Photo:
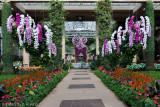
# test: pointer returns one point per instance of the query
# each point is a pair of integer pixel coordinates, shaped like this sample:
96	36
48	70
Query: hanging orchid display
138	33
51	46
79	43
31	36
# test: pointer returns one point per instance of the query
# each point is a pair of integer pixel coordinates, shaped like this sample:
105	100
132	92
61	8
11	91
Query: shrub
95	63
67	65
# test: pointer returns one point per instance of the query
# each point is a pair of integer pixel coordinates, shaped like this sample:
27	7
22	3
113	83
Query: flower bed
135	89
30	89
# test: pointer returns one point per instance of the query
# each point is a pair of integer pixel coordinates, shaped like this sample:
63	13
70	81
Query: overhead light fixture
80	18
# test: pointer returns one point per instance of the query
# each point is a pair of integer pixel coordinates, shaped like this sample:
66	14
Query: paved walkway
81	88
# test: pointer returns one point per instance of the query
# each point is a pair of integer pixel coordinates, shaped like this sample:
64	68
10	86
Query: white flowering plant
36	39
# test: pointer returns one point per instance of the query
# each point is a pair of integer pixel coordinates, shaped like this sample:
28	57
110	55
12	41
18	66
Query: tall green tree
7	41
104	18
57	18
149	52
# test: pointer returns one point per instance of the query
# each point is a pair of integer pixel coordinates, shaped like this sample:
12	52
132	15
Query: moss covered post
104	17
149	52
57	18
7	41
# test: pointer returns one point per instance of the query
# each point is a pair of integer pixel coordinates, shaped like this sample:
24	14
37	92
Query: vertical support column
97	40
63	45
25	58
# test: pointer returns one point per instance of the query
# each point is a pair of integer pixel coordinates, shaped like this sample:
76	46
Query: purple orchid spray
105	50
17	19
137	32
131	38
131	22
149	33
117	45
40	32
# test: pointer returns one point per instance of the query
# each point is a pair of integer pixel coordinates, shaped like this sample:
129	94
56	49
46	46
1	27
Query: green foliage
67	65
149	52
95	63
104	17
57	18
128	52
7	41
1	68
123	92
111	60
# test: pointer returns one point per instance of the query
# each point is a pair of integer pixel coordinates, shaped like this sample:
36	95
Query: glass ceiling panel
80	25
83	4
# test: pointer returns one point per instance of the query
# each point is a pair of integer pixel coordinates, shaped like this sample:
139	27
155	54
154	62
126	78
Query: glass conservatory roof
115	6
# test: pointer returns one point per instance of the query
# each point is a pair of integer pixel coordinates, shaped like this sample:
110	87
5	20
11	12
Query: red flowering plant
20	87
143	84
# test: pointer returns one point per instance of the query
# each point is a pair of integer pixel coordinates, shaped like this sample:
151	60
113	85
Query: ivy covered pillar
149	52
57	18
104	18
7	42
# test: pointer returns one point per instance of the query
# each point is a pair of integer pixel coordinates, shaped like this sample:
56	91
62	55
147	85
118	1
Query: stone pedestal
135	60
25	58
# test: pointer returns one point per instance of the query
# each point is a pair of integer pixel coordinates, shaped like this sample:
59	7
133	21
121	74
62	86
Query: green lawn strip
124	93
3	77
155	74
